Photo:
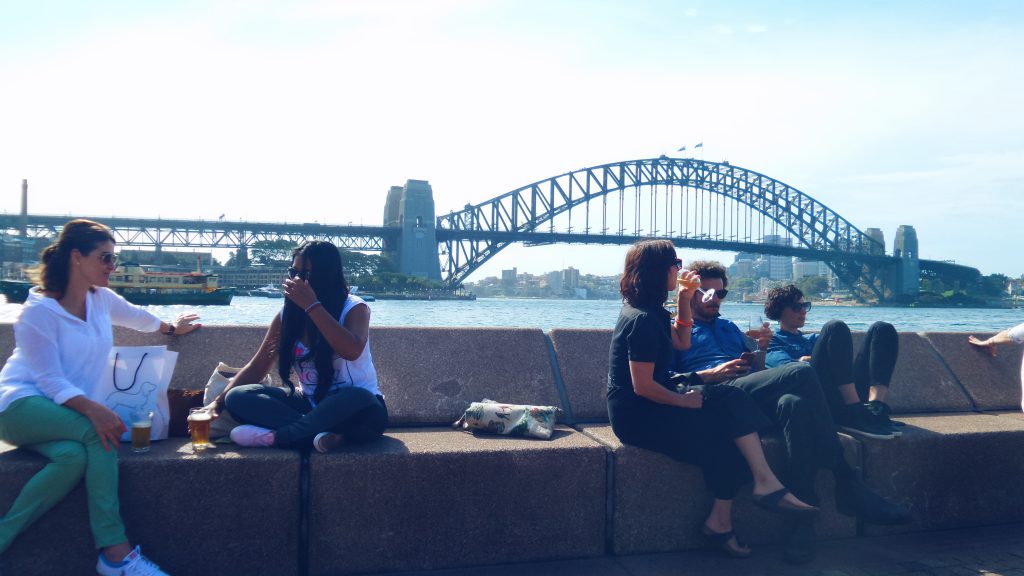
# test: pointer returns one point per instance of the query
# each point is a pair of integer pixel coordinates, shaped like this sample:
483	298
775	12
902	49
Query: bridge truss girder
200	234
821	231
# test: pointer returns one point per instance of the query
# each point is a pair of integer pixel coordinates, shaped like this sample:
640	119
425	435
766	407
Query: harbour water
548	314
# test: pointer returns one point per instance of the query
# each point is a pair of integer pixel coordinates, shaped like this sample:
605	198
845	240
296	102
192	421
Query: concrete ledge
659	504
583	361
951	470
436	498
218	512
992	383
430	375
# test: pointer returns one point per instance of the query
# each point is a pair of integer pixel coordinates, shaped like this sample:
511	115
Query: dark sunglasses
721	294
109	258
800	306
679	263
296	273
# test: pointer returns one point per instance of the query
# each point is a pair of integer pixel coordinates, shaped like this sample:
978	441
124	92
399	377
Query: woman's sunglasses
108	258
296	273
800	307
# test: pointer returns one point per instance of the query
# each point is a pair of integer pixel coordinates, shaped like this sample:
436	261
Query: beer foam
146	424
199	416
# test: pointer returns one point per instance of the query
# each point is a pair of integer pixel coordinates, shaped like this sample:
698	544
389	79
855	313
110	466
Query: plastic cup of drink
142	428
199	427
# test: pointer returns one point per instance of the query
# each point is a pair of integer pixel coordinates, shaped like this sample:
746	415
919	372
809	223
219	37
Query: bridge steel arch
473	235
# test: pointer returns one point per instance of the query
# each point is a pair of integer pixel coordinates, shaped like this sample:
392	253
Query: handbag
136	379
510	419
223	374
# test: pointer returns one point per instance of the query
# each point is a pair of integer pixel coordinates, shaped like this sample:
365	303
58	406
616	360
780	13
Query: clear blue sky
889	113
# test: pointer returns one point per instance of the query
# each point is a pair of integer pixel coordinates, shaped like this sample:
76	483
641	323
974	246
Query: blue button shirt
711	344
787	347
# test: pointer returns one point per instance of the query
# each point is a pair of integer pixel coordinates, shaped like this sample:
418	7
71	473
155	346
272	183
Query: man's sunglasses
800	306
296	273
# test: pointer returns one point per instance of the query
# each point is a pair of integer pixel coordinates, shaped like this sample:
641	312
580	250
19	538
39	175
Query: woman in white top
63	337
1015	335
323	335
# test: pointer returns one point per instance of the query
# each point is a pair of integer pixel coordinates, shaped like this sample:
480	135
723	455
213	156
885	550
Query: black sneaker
857	419
883	414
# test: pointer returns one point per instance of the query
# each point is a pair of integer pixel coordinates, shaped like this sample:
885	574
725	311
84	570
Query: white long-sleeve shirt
60	356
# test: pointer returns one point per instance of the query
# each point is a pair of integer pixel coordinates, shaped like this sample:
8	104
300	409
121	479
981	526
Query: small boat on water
144	287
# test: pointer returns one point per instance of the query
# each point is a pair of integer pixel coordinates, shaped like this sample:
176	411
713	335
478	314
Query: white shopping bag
136	379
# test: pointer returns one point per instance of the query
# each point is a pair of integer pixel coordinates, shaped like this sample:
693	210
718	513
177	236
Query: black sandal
774	502
724	542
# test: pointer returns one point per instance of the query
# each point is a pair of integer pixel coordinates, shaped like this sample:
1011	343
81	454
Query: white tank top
359	372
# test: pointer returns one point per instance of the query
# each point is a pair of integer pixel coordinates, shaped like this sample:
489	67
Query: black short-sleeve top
641	335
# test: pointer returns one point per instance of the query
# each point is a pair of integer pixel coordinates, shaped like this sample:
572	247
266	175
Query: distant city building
509	277
779	267
255	276
555	282
571	278
803	267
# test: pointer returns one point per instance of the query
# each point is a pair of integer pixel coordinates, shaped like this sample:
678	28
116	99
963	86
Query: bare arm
348	340
990	344
260	364
642	374
681	332
725	371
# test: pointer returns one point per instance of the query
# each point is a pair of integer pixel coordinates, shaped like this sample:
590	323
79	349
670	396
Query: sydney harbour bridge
694	203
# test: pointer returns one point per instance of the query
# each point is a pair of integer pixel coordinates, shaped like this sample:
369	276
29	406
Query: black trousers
354	412
792	398
703	437
833	359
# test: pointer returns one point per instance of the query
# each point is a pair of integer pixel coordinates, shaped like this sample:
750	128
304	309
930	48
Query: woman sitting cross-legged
855	387
322	334
719	434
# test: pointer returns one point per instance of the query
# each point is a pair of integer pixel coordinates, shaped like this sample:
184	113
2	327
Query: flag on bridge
683	149
701	145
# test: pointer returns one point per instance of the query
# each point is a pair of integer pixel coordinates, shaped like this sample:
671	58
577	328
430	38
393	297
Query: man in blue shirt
791	396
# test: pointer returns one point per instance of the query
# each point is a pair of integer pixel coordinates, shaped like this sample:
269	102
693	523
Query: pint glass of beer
142	426
199	426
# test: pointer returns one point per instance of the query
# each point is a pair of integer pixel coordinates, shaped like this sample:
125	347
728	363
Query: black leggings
704	437
356	413
833	359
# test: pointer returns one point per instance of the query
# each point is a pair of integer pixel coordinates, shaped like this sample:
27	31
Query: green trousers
69	441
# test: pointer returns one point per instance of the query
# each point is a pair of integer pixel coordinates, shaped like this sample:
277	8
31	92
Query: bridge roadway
181	233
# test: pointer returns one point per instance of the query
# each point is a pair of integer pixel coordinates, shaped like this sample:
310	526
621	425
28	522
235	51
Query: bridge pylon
411	209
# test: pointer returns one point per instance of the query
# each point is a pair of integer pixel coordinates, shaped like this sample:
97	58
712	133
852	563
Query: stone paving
991	550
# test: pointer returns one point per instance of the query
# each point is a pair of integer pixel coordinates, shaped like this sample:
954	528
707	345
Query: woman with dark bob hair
63	338
714	427
322	335
855	387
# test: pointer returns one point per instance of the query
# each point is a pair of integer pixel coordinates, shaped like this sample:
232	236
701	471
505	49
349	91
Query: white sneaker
134	564
252	436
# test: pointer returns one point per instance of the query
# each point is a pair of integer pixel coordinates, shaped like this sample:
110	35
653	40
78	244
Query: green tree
993	284
272	251
813	286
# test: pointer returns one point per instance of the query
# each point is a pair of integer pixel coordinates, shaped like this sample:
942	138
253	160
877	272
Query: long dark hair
54	271
644	282
327	278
